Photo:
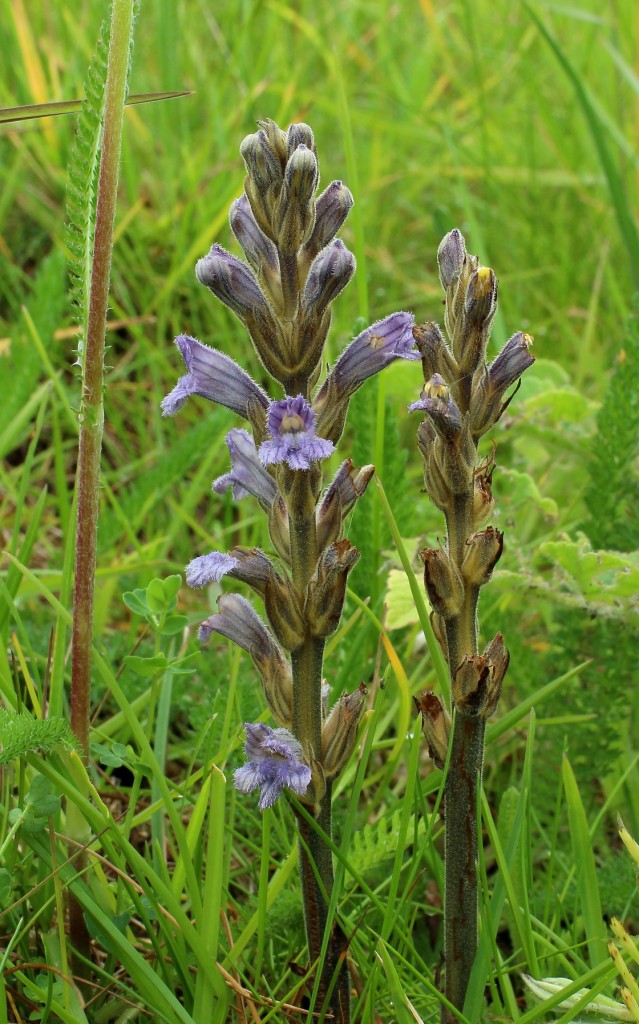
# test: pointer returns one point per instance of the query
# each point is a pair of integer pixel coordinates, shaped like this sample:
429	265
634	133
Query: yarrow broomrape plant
463	397
295	268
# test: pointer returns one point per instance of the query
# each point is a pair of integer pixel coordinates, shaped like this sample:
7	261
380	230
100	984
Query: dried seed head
444	585
483	551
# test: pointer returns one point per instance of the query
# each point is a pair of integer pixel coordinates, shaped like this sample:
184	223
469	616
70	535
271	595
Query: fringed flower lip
215	376
274	764
291	424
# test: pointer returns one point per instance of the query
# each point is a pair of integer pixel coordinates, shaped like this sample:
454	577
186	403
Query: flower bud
436	356
346	488
265	159
294	216
327	587
299	135
330	272
487	404
339	732
450	257
479	310
435	724
231	281
444	585
259	250
331	210
483	551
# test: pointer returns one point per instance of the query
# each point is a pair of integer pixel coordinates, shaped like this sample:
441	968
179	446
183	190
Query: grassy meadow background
516	123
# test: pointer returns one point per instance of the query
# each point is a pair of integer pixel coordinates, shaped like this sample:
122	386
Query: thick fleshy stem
307	664
462	782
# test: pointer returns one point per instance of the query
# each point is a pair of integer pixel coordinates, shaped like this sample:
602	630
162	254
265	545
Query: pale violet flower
291	424
274	764
214	376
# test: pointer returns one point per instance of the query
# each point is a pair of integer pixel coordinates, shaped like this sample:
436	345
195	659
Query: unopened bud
231	281
483	551
436	356
339	733
259	250
263	159
347	487
331	210
450	256
277	140
294	217
435	724
330	272
299	135
488	403
327	587
471	340
444	585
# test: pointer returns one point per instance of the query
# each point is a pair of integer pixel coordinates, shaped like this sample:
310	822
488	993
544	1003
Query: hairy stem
316	864
92	407
464	776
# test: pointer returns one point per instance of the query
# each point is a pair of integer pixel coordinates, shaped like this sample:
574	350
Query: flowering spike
291	424
275	763
215	376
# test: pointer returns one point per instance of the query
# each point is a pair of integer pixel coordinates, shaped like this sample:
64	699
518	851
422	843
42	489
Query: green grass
516	123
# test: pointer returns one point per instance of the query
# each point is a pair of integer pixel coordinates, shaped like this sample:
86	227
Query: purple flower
436	401
247	475
209	568
291	424
214	376
238	621
249	565
372	350
274	764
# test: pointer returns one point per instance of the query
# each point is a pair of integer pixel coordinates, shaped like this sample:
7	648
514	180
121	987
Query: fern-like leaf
612	496
377	842
82	185
21	734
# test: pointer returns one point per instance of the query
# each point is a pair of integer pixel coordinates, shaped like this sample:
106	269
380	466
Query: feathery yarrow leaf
21	734
82	184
